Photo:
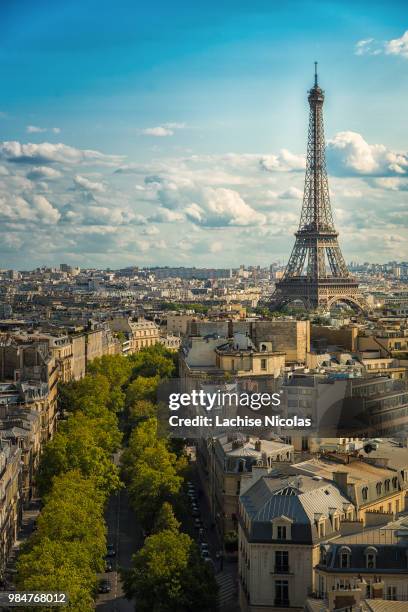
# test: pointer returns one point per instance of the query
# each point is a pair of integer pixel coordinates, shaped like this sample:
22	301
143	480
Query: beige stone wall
94	347
289	337
261	574
78	357
345	337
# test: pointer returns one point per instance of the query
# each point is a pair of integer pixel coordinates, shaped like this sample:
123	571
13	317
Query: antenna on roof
315	74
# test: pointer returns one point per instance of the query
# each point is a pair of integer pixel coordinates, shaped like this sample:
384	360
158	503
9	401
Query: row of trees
76	475
167	573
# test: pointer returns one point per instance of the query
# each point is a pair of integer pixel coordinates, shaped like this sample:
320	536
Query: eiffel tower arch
316	273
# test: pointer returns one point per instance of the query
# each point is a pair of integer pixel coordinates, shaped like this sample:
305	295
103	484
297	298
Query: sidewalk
26	529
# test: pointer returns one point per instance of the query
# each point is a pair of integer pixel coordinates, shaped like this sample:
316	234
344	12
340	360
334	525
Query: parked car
108	566
104	586
196	513
110	550
203	546
197	523
210	562
205	554
201	533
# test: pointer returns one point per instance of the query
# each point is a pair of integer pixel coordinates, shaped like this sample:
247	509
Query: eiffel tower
316	273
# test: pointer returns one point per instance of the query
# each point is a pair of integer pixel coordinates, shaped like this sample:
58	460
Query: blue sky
186	109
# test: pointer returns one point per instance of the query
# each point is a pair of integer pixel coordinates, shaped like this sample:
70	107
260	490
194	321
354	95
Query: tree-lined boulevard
111	462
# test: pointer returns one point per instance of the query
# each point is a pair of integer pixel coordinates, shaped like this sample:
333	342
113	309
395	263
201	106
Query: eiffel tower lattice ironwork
316	273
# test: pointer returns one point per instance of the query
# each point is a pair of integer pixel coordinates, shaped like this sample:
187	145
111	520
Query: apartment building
282	522
378	493
140	332
21	426
223	358
370	566
10	496
225	460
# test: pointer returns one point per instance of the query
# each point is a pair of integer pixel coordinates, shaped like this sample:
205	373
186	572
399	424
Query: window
263	364
378	487
387	485
281	593
344	557
321	529
364	493
370	555
336	523
395	482
281	532
281	561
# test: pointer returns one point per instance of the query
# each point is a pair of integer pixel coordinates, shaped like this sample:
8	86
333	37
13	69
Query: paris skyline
122	144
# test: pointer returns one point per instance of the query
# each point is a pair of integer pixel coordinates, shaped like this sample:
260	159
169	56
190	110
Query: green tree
154	481
153	361
141	410
166	519
78	445
55	566
73	511
142	388
116	368
168	576
93	390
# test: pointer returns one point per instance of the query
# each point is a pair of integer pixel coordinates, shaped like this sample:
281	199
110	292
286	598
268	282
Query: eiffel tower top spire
316	210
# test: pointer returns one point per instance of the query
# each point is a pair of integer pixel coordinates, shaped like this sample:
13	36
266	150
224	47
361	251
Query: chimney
341	480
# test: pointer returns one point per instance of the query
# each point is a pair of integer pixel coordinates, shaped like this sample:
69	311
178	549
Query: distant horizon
186	266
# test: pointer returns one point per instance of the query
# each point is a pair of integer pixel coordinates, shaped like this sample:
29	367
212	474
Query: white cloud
34	129
91	186
166	129
159	130
37	208
349	153
285	161
216	247
150	230
398	46
220	207
45	211
43	172
293	193
47	152
164	215
395	46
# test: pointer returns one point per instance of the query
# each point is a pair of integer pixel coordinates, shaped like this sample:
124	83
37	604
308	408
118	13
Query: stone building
282	522
141	332
370	565
225	460
10	495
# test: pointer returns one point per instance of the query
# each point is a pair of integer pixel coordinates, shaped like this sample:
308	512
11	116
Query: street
125	535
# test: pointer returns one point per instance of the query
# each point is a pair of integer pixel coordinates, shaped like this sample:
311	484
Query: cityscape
203	354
